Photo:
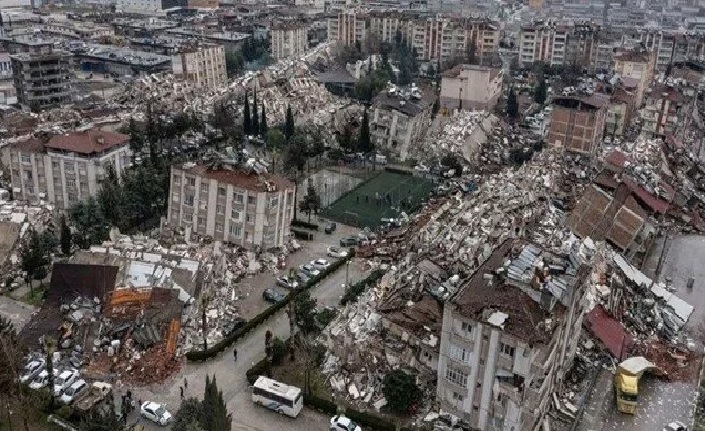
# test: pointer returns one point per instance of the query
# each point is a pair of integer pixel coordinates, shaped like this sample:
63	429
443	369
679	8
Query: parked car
337	252
303	277
330	227
73	391
64	380
233	326
155	412
271	295
310	270
675	426
41	380
320	264
348	242
342	423
31	370
421	168
287	282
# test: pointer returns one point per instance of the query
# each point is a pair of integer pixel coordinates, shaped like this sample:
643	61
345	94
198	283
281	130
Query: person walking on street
182	392
185	383
235	354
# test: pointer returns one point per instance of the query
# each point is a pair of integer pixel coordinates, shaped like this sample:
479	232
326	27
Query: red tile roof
609	331
656	204
617	158
88	142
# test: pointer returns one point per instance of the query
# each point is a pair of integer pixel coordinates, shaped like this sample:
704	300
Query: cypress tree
263	124
289	124
246	122
255	116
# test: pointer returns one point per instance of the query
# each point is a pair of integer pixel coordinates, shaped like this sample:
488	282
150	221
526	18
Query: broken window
456	376
506	349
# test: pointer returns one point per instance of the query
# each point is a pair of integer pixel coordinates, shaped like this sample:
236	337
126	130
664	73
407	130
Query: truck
98	392
626	382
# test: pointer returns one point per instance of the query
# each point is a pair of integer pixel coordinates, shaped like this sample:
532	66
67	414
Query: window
190	181
220	209
248	218
466	329
457	396
204	188
506	349
221	191
238	198
274	202
28	175
235	214
68	166
201	221
460	353
235	230
456	376
72	197
251	200
188	200
70	182
177	180
175	197
25	158
219	227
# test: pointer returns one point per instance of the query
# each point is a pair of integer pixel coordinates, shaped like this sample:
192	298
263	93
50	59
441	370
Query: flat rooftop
239	178
123	55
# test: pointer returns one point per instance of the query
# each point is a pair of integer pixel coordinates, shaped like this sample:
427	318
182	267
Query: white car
341	423
310	270
675	426
41	379
31	370
320	264
337	252
73	391
422	168
289	283
155	412
64	380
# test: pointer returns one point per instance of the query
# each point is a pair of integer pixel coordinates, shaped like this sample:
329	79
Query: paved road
231	375
18	312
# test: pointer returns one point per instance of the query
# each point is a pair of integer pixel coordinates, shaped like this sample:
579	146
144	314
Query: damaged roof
88	142
609	331
485	293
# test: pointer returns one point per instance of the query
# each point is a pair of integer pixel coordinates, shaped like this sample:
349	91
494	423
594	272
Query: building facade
398	120
288	39
509	337
67	168
230	204
202	64
545	43
577	124
42	75
637	65
148	7
471	87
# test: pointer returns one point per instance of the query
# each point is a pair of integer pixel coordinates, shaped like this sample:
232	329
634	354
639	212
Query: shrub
401	391
304	224
324	406
279	350
370	421
302	235
356	289
261	368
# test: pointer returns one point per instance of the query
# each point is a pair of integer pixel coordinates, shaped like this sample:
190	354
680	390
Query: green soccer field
383	196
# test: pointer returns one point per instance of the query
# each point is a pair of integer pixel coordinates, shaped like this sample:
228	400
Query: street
230	374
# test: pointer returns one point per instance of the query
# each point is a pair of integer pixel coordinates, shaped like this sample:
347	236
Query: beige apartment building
637	65
578	123
66	168
288	39
471	87
228	203
348	27
544	43
510	334
201	64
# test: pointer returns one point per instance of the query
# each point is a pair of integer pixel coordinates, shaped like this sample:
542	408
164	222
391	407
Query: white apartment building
5	65
202	64
147	7
230	204
544	43
509	336
348	27
397	121
288	39
67	168
471	87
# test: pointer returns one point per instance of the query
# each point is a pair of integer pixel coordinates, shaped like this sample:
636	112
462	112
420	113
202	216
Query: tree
289	127
278	351
65	237
311	202
190	411
255	116
246	120
222	120
263	128
33	257
110	197
512	105
101	420
49	348
296	151
450	161
275	138
136	137
401	391
364	142
90	222
436	107
346	141
471	50
234	63
540	92
305	311
215	413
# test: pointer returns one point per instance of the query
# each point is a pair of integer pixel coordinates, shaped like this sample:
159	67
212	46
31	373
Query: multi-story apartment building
578	123
434	38
510	334
5	66
471	87
288	39
67	167
75	29
202	4
637	65
148	7
398	120
202	64
545	43
41	74
231	204
671	46
664	112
